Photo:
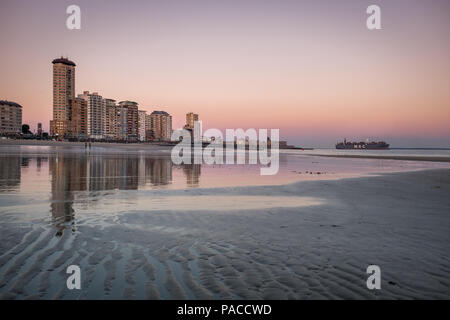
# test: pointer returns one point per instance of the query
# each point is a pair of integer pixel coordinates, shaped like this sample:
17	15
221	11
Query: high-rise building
63	91
161	125
132	119
190	119
95	114
111	120
39	129
122	122
148	127
78	124
10	117
194	126
141	125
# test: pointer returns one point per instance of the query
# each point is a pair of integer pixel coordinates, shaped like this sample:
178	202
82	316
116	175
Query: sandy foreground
316	244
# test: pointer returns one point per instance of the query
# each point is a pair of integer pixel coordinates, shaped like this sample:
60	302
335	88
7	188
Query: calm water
57	174
42	169
55	180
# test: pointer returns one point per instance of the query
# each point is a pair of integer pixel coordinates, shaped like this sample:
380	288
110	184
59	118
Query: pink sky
309	68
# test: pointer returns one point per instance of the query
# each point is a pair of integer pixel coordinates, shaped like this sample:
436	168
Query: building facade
132	119
10	117
148	128
111	120
190	120
39	129
95	114
141	124
161	125
122	122
63	91
194	126
78	124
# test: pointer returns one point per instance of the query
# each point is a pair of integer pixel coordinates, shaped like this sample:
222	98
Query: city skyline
227	153
92	116
311	69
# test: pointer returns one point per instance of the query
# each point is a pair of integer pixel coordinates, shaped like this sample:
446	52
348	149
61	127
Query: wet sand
164	149
132	146
314	250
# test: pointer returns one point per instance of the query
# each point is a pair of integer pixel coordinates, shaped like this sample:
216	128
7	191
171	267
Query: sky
309	68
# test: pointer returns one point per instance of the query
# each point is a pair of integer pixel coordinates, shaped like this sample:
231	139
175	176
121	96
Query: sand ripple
298	248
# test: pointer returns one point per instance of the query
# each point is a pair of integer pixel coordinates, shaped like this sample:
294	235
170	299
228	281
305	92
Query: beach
154	147
308	237
224	153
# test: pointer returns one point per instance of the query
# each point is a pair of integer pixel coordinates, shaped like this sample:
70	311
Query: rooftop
64	61
10	103
127	102
160	112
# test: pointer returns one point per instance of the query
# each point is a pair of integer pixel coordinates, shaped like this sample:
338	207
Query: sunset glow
311	69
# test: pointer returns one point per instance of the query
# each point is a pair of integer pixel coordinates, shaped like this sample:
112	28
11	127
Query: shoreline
160	147
48	143
387	157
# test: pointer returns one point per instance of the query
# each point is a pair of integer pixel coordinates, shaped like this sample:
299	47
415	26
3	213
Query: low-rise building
10	117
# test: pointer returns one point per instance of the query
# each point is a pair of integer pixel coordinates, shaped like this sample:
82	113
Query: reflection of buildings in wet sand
9	172
68	175
39	162
109	173
96	173
25	162
158	171
192	172
127	172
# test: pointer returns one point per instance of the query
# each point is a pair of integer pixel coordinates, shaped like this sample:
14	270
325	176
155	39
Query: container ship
373	145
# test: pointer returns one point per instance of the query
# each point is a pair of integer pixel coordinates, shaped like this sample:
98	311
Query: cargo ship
373	145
